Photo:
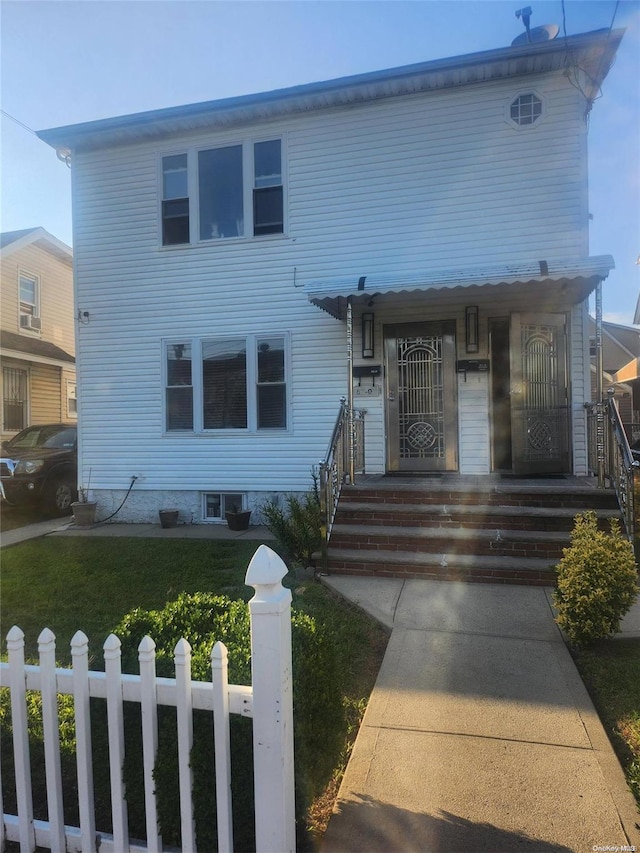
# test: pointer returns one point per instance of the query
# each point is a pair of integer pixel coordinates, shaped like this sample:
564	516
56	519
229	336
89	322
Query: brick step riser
579	502
408	519
522	578
474	547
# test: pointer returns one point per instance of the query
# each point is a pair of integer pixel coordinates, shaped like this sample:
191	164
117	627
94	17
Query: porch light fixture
367	334
471	327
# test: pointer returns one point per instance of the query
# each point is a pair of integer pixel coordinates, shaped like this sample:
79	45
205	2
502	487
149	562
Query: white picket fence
268	701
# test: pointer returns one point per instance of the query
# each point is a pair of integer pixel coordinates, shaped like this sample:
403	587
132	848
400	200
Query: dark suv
40	466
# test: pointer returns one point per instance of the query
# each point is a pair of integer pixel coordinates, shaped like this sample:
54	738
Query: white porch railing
268	701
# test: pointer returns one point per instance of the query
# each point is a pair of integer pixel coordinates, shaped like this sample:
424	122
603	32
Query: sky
69	61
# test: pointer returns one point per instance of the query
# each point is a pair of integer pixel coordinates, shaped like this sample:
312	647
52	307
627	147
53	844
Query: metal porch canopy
582	275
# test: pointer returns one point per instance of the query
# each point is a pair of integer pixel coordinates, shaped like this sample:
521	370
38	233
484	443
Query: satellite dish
546	32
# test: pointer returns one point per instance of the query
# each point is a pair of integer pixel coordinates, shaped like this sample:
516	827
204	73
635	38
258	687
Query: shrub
204	618
597	581
297	526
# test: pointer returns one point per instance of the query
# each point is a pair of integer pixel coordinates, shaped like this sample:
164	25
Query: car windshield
51	437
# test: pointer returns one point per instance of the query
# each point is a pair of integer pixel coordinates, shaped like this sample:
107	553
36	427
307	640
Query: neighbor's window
179	391
271	385
72	400
267	188
29	290
526	109
175	200
216	395
224	384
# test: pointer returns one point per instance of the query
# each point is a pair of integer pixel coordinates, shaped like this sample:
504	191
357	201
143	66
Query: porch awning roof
331	294
629	372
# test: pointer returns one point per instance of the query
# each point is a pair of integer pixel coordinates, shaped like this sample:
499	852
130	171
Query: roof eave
435	74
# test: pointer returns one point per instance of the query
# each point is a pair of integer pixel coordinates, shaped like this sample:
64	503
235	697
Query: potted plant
237	518
84	510
168	517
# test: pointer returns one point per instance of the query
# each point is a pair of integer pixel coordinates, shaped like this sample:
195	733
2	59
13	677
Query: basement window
216	504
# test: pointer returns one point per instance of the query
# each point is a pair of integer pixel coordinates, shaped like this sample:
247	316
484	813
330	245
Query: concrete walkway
479	735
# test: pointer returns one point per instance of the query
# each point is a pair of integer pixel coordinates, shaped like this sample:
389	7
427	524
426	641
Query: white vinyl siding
408	183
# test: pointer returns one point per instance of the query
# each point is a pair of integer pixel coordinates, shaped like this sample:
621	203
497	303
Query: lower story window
14	399
216	504
227	383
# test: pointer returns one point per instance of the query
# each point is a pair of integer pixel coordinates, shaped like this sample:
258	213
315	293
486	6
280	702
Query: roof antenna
525	14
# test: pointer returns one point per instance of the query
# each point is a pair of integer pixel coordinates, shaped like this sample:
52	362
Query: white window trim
251	339
514	97
248	178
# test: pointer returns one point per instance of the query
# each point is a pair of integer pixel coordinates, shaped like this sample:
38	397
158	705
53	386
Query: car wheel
61	495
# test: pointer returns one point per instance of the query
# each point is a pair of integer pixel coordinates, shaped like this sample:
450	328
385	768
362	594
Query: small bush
597	581
297	526
202	619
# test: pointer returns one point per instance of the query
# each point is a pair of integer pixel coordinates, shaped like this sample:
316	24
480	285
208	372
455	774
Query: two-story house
37	330
414	239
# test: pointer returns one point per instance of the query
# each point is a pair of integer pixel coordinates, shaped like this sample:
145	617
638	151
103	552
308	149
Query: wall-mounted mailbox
472	365
362	370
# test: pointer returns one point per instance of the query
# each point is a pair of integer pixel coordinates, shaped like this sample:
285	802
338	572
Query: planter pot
238	520
84	514
169	517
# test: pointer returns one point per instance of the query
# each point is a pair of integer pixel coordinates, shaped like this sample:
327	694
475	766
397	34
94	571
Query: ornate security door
539	394
420	385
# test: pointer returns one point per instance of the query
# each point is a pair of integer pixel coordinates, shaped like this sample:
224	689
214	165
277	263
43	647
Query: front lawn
68	584
611	673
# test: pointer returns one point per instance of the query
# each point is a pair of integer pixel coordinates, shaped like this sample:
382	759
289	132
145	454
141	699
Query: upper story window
525	109
236	190
29	294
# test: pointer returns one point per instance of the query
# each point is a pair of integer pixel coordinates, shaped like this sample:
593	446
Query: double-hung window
175	200
29	287
234	190
235	383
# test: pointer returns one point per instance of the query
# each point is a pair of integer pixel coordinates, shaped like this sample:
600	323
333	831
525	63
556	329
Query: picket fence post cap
79	643
265	569
46	638
15	638
146	648
219	653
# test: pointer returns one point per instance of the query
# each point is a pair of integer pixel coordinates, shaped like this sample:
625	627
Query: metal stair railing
610	457
346	452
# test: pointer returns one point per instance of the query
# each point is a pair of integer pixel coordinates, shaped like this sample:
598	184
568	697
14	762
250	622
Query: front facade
37	328
419	234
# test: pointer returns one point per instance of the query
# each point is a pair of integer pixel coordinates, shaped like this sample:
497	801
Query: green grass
70	584
611	672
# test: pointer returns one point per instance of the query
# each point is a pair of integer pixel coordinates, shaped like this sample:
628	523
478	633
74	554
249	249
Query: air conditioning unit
28	321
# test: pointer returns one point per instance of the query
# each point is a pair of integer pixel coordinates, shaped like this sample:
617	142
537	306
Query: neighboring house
37	343
431	220
620	345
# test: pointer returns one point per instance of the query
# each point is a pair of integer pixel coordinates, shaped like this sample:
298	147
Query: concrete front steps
456	528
